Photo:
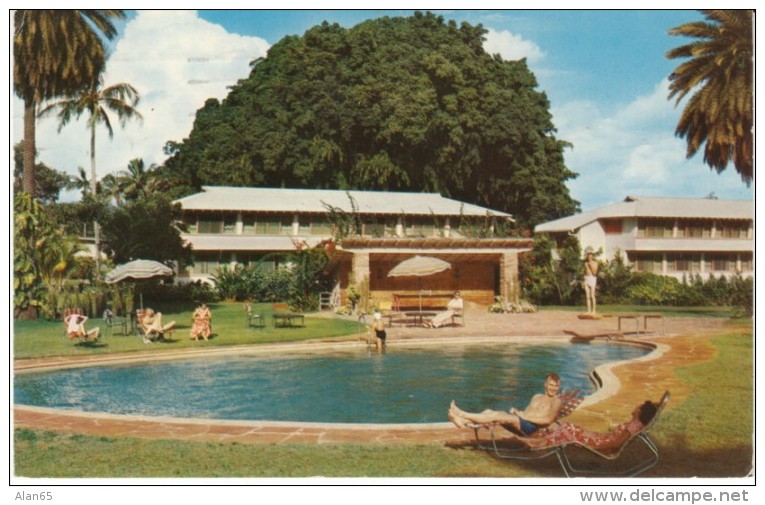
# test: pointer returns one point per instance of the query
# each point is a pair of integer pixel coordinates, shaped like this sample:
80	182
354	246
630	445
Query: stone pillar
399	227
239	228
447	228
508	277
295	225
360	276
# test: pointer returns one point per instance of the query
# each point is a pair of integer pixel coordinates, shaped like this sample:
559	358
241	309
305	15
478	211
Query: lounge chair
570	400
75	329
559	449
151	332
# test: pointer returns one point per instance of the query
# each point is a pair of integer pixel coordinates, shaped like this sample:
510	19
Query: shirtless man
590	281
542	410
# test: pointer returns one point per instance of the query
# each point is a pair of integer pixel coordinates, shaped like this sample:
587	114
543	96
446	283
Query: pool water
400	386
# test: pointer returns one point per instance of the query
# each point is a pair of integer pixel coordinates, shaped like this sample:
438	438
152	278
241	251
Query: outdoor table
419	315
288	320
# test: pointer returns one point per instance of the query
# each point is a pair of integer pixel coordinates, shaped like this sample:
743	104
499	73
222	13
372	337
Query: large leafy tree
718	71
55	52
96	101
146	228
411	104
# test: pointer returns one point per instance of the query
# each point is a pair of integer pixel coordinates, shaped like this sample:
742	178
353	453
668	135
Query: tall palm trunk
93	187
28	179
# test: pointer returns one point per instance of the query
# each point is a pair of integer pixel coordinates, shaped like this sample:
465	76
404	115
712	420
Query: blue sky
604	73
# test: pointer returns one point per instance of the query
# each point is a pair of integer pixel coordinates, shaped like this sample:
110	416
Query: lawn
695	439
33	339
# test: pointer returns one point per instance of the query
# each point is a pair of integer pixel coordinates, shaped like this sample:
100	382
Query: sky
604	73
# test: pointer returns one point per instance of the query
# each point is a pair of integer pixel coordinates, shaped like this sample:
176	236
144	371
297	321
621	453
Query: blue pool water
401	386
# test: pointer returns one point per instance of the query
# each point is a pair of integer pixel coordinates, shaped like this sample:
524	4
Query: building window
655	228
422	227
210	223
263	224
684	262
206	263
612	226
719	262
746	262
320	226
732	229
694	229
379	227
647	262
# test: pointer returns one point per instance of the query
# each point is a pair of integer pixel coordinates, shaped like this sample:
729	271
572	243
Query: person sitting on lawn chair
455	305
75	327
543	409
573	433
151	323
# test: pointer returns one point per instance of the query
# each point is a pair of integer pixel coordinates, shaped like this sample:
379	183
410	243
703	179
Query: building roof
225	198
655	207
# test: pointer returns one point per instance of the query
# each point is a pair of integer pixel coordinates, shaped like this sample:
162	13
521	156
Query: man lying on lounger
542	411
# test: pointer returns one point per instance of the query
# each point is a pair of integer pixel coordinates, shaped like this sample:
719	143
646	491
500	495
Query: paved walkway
686	342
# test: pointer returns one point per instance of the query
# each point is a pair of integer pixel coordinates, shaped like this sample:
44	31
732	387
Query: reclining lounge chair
548	445
570	400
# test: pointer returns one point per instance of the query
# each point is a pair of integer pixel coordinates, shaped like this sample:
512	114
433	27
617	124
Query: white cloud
633	151
511	46
176	61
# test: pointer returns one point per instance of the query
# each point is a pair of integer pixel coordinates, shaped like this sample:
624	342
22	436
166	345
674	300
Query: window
208	262
720	262
746	262
648	262
422	227
694	229
210	223
612	226
655	228
320	226
683	262
267	224
732	229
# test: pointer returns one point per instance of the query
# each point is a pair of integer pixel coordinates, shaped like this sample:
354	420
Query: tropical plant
97	101
55	53
719	73
43	255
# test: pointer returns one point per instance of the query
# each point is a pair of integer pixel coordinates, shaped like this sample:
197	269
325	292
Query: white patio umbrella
138	270
419	266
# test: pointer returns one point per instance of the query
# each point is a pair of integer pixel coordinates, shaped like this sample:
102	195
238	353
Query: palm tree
97	100
55	52
719	73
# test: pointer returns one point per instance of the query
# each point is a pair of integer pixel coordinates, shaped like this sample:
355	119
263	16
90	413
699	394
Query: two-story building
230	225
667	236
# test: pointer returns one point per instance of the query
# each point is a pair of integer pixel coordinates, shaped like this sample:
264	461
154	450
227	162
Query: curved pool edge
105	424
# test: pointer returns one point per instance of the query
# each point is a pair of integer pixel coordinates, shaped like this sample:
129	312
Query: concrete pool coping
624	385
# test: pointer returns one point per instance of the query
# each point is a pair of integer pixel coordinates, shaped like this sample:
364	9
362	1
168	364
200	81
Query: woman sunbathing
617	437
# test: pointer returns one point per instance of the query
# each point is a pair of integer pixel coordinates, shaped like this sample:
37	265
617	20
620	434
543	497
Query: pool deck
625	384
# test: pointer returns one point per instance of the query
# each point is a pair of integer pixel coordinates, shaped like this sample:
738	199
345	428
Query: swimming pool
352	386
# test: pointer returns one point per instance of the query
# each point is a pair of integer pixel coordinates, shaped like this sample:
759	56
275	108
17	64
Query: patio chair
254	319
570	400
153	331
606	456
111	321
75	329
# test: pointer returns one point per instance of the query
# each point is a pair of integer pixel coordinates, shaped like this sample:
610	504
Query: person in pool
378	326
542	410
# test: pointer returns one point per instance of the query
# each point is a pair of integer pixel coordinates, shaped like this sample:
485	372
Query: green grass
708	435
33	339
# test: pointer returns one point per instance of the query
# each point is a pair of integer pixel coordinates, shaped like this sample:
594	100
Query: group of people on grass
149	322
537	425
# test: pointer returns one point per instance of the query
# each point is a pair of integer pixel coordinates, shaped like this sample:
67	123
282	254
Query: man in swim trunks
542	410
590	280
